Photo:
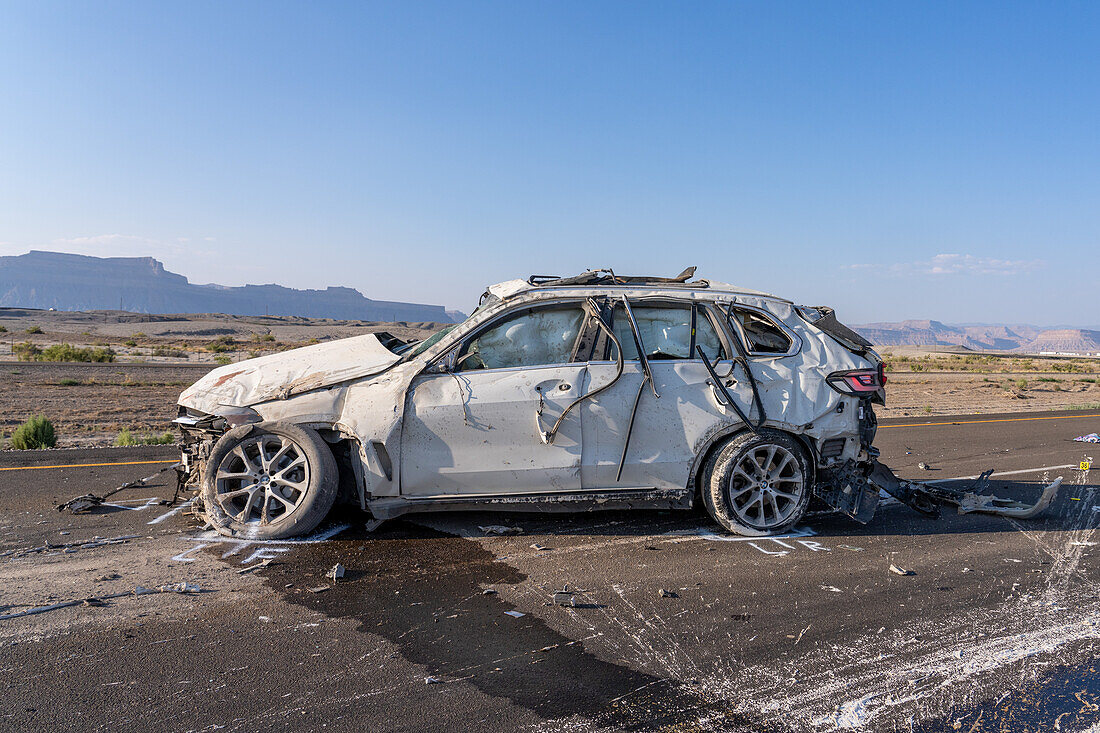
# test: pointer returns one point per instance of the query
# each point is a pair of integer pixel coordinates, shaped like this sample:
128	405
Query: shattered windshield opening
416	348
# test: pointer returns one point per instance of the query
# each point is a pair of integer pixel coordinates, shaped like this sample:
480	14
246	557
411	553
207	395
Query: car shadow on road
892	519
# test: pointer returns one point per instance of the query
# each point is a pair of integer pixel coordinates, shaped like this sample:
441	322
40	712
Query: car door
475	423
665	421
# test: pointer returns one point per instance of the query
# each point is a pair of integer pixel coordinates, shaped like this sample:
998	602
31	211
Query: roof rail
608	277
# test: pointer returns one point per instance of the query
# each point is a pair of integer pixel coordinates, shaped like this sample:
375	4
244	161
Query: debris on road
488	592
540	548
1090	438
81	504
665	593
336	573
564	597
257	566
900	571
182	588
515	614
320	589
432	681
924	466
500	529
71	546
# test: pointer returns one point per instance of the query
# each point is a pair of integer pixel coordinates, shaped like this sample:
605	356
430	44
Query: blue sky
920	160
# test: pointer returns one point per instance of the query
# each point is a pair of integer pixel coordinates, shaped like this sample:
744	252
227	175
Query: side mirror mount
445	365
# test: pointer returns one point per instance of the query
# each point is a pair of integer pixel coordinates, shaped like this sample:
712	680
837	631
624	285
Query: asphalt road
998	627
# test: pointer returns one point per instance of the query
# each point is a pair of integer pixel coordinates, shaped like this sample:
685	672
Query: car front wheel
757	485
269	481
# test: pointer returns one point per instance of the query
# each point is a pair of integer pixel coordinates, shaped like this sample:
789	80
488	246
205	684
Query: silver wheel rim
262	480
766	487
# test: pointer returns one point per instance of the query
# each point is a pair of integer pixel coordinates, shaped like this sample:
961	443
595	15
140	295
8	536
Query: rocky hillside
141	284
988	337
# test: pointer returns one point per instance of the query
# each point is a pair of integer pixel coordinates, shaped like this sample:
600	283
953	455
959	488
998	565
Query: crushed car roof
607	278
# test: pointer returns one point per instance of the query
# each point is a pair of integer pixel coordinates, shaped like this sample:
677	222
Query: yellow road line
975	422
82	465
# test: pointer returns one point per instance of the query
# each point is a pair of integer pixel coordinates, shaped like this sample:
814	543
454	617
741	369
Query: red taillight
857	381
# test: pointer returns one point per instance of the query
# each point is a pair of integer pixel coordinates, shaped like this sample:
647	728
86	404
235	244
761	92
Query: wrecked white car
557	394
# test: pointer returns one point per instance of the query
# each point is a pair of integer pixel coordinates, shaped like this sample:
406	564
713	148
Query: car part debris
257	566
88	501
515	614
924	466
900	571
926	498
432	681
320	589
500	529
183	588
70	546
564	597
664	593
1090	438
336	573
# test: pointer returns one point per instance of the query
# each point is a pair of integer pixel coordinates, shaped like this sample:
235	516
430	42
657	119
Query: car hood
278	376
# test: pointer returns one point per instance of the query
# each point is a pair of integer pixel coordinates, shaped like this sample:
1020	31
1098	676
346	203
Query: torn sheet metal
286	373
926	498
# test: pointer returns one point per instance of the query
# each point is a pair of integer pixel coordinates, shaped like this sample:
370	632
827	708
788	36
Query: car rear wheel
269	481
757	485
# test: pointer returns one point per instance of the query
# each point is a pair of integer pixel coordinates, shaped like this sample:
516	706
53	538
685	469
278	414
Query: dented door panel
479	432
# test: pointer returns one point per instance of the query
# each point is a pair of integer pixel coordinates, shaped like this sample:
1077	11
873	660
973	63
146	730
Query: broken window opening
762	336
666	332
532	337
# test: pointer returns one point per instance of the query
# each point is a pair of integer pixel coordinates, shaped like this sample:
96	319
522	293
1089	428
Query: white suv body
556	394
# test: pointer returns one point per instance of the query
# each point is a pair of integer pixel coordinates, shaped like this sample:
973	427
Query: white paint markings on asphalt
174	511
998	474
262	549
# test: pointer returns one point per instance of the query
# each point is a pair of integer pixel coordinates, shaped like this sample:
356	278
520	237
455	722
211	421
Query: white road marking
174	511
998	474
141	503
183	556
212	536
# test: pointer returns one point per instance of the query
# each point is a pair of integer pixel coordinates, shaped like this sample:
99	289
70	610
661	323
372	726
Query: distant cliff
141	284
990	337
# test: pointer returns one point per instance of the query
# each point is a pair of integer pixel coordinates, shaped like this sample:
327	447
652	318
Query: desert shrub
130	342
126	438
222	360
3	329
262	337
34	329
68	383
26	351
1021	384
1046	379
34	434
166	351
221	344
139	334
68	352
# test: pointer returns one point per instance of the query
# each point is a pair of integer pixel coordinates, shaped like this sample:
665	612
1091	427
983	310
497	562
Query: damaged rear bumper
853	488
